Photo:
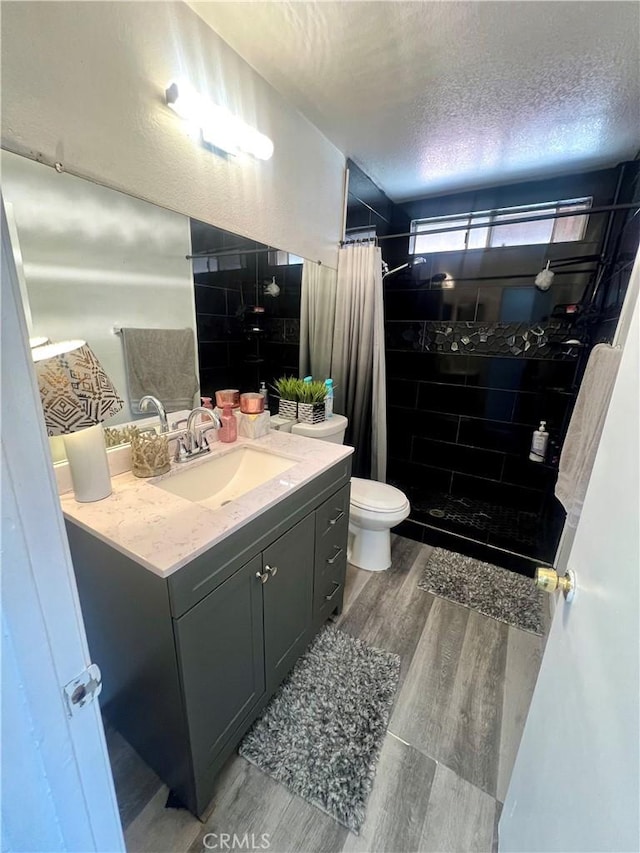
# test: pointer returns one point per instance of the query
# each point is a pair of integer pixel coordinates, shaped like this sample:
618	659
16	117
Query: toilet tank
333	429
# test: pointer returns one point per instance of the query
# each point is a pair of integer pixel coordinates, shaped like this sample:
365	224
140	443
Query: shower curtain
317	317
347	327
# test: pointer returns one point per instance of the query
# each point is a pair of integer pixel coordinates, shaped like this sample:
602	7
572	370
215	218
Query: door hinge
83	689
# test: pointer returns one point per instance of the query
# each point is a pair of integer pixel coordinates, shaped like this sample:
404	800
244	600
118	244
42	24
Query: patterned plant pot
311	413
288	409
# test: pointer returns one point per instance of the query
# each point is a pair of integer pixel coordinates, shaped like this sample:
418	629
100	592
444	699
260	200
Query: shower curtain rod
221	253
514	221
489	278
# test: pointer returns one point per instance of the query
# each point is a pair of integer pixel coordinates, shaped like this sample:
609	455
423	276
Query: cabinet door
221	657
288	599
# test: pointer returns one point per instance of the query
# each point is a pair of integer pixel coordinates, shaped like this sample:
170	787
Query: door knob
550	581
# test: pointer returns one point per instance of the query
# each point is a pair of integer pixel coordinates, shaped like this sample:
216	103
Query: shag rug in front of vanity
491	590
322	732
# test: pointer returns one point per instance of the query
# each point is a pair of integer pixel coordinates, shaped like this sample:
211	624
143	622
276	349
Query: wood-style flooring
465	687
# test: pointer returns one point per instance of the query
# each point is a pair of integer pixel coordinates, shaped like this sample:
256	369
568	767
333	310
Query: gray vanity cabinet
190	660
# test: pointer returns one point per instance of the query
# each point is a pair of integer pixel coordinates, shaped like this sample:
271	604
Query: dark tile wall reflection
245	335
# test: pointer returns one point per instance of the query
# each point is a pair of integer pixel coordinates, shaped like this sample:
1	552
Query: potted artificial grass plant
311	397
287	389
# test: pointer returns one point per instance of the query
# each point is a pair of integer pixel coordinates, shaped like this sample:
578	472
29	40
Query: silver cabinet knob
263	577
272	570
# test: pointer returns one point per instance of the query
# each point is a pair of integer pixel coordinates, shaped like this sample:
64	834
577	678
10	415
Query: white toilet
375	507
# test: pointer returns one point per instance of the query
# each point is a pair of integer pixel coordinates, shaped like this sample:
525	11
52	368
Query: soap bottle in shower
539	443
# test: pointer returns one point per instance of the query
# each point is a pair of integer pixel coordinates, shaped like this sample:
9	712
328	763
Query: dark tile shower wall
239	347
474	366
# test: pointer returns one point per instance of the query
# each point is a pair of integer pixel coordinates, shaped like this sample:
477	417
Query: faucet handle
179	424
203	444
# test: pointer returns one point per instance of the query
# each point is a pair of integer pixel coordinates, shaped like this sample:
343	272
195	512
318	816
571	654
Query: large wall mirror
93	261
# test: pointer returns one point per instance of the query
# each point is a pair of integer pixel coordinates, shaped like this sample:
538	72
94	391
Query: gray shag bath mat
491	590
322	732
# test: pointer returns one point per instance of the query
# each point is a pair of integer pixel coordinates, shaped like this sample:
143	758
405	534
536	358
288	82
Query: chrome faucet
191	422
196	443
162	414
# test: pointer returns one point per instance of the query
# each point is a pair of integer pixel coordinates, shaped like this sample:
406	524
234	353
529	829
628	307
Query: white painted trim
19	262
43	631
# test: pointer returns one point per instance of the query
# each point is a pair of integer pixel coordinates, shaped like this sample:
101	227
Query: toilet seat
376	497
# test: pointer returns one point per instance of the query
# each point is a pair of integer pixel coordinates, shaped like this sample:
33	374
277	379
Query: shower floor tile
490	524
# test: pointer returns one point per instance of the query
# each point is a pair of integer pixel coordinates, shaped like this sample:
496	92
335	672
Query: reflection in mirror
95	261
247	308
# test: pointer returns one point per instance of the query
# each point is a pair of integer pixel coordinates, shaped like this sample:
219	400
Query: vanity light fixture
217	126
77	395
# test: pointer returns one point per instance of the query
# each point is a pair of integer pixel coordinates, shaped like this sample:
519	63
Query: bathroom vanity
197	608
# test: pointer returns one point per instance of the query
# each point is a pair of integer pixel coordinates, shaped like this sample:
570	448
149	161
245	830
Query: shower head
413	263
395	269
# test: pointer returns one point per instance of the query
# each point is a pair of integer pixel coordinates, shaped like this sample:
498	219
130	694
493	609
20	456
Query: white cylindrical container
88	464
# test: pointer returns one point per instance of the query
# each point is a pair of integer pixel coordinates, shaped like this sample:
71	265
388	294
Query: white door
57	787
575	784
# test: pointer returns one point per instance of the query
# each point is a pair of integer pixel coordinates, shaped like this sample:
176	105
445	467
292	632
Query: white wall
94	258
83	84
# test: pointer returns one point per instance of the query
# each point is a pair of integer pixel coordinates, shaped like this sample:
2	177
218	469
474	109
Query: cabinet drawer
332	526
329	591
332	517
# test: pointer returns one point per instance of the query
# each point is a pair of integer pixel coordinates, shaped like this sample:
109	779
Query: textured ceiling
433	97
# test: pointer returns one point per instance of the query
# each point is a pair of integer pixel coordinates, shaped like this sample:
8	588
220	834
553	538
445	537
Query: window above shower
488	232
278	258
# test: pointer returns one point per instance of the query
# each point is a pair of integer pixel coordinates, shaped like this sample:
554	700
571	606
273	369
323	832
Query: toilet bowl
375	507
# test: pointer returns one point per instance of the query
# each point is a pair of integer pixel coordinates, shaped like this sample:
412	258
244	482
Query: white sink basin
225	478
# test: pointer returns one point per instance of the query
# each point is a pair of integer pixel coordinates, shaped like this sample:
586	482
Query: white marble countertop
164	532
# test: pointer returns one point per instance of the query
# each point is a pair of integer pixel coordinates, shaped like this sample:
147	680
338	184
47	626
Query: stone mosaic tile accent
456	337
511	339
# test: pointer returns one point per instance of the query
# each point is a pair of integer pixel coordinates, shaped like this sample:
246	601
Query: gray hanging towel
585	428
160	362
